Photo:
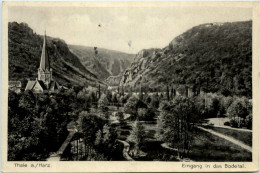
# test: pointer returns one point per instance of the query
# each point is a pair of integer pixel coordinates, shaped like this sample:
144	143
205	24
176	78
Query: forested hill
103	63
215	57
24	53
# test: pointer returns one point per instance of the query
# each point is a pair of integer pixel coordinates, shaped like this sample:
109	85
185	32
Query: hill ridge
214	57
24	50
105	62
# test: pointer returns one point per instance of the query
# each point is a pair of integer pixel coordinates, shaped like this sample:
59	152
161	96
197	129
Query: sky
124	29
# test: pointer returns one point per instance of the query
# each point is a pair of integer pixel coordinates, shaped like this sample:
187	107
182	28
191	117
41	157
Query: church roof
44	64
42	84
30	85
54	85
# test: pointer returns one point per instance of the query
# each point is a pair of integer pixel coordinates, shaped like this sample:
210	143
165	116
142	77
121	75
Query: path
126	150
237	129
72	128
234	141
56	156
219	122
164	145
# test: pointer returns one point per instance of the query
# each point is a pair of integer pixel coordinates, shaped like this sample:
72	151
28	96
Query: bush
233	123
239	110
248	122
227	123
146	114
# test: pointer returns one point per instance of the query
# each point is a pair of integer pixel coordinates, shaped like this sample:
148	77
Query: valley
105	63
158	105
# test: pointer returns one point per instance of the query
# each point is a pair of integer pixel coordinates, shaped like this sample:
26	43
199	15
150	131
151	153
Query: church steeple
45	72
44	64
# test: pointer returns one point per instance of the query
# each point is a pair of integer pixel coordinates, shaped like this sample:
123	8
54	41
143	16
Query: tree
106	134
102	106
84	98
114	99
148	100
99	91
109	96
65	103
98	138
168	93
137	136
215	108
146	114
32	137
132	106
171	46
27	102
77	89
90	125
155	101
141	93
238	109
226	102
176	124
103	101
93	99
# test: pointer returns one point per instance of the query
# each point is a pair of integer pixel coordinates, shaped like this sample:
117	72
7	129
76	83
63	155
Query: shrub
248	122
227	123
233	123
239	110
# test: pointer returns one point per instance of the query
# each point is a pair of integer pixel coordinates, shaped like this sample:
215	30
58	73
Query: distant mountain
114	80
214	57
24	51
105	62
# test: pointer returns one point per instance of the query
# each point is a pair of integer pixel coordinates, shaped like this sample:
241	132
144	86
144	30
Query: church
44	82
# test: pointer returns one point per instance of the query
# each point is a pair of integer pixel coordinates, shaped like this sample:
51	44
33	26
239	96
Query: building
15	86
44	82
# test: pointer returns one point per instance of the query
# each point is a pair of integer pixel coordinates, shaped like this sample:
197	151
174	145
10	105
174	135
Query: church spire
44	64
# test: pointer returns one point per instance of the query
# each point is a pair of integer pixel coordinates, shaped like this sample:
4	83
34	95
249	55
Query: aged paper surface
127	37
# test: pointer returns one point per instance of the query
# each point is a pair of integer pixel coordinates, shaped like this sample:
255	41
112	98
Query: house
15	86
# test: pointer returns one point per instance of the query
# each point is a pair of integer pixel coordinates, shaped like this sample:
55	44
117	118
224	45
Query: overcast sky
144	27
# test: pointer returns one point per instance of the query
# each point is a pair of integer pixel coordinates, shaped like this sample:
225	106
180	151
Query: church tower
44	71
44	82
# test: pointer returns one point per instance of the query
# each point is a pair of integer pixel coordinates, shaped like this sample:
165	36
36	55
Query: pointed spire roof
44	64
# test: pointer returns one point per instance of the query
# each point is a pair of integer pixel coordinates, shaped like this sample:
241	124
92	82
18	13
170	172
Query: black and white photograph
166	84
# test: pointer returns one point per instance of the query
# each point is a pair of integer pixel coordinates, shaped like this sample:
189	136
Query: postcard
130	86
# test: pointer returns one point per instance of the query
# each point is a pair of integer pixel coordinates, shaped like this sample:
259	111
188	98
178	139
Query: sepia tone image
130	84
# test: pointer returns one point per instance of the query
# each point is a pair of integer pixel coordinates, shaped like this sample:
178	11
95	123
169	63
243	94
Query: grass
208	147
155	152
243	136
